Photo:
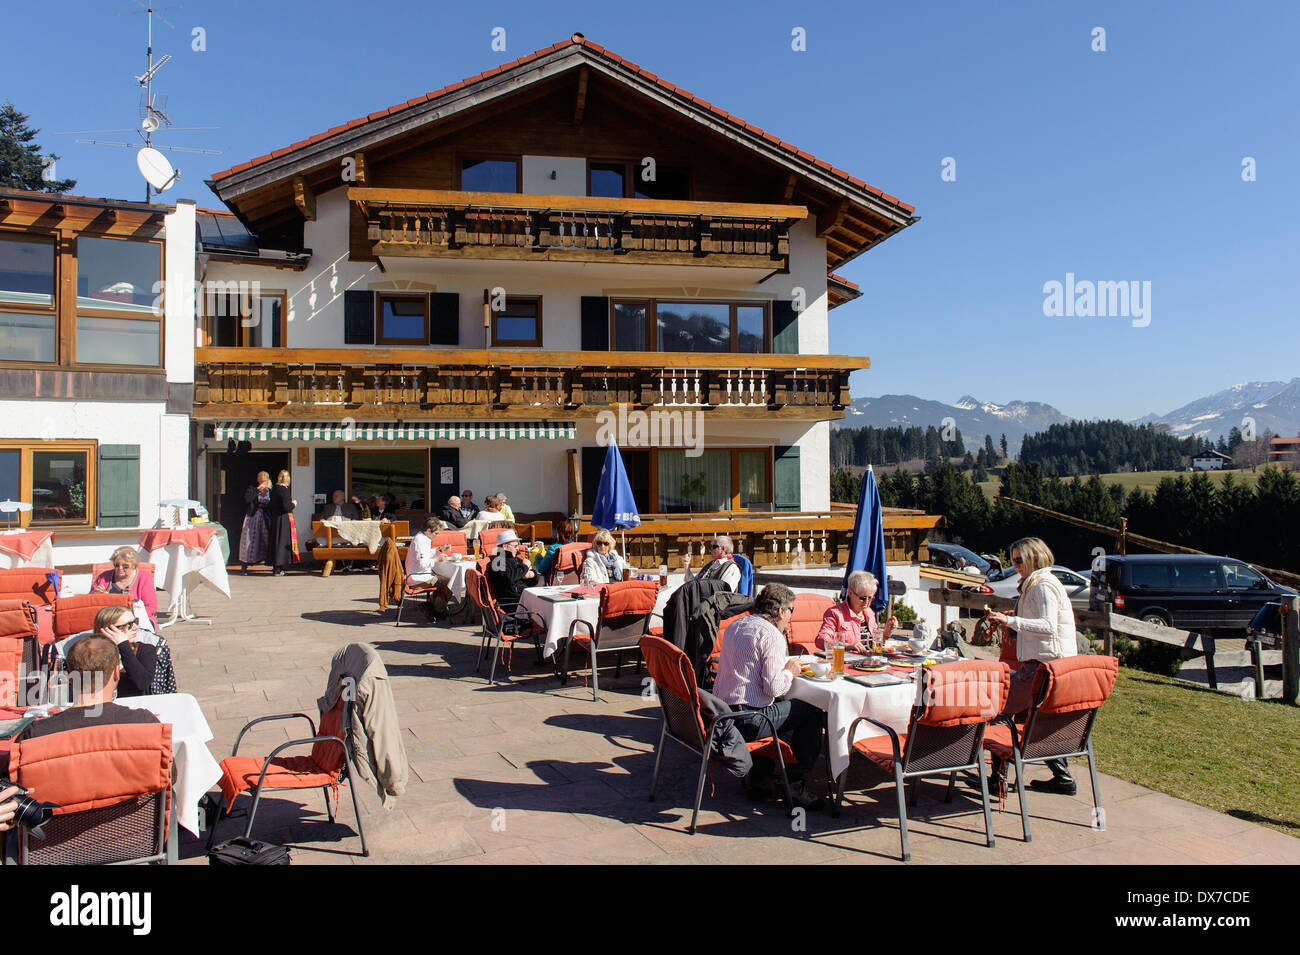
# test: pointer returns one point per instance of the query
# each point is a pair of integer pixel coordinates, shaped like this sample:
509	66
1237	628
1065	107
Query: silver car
1078	586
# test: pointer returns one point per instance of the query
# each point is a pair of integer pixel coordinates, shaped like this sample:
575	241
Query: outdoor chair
457	539
33	584
626	610
568	563
503	623
112	784
75	614
944	737
806	622
717	644
330	764
1067	695
487	541
20	655
683	720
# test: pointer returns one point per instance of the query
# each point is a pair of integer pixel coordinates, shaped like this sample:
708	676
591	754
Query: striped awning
393	430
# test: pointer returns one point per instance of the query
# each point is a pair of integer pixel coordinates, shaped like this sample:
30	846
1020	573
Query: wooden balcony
450	224
413	384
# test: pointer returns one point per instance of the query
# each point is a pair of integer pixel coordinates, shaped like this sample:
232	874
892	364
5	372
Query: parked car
1205	594
947	556
1076	585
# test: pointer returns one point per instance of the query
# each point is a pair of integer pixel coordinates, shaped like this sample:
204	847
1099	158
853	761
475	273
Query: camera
29	814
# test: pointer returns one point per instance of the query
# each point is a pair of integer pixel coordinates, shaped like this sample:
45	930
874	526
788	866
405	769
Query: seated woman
139	660
545	563
491	509
853	619
602	564
126	577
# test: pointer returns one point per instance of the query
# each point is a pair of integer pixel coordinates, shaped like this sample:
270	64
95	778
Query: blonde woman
602	565
1043	624
126	577
256	533
284	543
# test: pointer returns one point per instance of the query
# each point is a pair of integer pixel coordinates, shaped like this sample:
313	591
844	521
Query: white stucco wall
178	296
807	272
570	175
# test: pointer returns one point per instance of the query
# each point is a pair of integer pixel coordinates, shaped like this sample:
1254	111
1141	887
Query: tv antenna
154	166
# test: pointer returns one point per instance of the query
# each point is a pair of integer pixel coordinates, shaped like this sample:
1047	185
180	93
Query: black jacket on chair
452	516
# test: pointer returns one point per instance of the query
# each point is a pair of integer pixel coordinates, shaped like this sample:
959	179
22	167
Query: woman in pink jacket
127	577
846	620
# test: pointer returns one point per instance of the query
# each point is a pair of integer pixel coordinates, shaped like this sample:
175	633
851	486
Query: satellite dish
155	168
150	123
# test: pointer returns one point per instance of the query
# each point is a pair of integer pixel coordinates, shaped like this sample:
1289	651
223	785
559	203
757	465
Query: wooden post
1291	650
1207	645
1107	635
1123	535
1257	664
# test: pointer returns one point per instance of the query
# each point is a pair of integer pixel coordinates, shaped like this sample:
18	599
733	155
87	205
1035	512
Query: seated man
722	566
339	506
379	509
509	574
94	668
453	513
467	506
754	672
421	555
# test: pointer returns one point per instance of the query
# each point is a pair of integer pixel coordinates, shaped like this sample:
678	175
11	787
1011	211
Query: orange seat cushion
997	740
763	747
880	751
240	773
655	631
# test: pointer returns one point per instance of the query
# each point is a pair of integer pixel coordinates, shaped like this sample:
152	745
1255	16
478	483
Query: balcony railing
427	222
478	383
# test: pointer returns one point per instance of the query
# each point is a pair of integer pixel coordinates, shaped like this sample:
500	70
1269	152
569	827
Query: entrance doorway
232	475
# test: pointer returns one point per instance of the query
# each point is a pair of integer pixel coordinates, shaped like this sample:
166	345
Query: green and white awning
393	430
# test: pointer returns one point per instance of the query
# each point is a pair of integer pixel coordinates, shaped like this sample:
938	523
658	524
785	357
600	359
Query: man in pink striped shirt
754	671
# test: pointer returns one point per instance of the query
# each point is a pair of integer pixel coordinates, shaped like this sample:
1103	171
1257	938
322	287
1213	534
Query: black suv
1189	591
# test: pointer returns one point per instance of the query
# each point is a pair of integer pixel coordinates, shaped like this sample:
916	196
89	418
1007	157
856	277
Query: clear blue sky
1115	165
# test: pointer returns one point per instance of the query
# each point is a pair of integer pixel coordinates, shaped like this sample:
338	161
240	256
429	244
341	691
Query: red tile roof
842	280
576	40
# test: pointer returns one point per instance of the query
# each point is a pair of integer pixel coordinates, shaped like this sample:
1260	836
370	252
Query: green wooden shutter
119	485
595	323
787	493
358	318
444	318
785	328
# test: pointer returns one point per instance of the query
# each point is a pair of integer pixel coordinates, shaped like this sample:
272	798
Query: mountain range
1271	405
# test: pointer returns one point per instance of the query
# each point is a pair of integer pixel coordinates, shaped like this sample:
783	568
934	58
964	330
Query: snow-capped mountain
974	418
1271	405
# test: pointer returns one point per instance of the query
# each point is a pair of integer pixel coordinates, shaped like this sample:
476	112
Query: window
692	326
1241	577
626	179
402	319
56	477
28	323
253	321
519	323
720	479
489	175
399	476
1196	577
118	302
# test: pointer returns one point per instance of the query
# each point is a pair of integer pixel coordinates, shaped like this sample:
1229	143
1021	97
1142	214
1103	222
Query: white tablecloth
844	702
43	556
196	769
367	534
452	573
177	569
560	614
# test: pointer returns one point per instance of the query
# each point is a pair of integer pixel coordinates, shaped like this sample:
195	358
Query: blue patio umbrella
867	549
614	507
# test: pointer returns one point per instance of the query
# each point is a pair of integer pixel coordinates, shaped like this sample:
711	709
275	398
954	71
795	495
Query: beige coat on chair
376	737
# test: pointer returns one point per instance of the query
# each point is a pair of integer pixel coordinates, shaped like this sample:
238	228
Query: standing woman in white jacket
1044	628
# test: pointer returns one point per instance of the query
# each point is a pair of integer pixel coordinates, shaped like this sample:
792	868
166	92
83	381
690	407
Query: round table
183	559
559	611
844	701
26	548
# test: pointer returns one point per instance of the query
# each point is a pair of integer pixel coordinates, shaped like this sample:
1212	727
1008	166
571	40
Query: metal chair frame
902	760
346	774
594	648
499	620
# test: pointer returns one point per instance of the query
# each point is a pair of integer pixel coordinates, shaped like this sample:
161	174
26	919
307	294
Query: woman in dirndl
256	535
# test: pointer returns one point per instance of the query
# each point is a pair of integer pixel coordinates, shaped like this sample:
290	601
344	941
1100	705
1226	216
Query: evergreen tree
1004	446
21	162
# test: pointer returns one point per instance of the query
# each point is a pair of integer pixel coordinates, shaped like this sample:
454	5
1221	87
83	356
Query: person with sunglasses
852	620
721	566
139	660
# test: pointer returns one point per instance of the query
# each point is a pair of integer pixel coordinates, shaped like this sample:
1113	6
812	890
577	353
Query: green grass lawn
1239	757
1143	479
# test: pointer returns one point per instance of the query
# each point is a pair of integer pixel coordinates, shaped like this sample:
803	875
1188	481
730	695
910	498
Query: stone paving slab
530	772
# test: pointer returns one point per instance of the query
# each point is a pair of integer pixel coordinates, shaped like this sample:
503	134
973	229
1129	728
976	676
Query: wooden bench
335	548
